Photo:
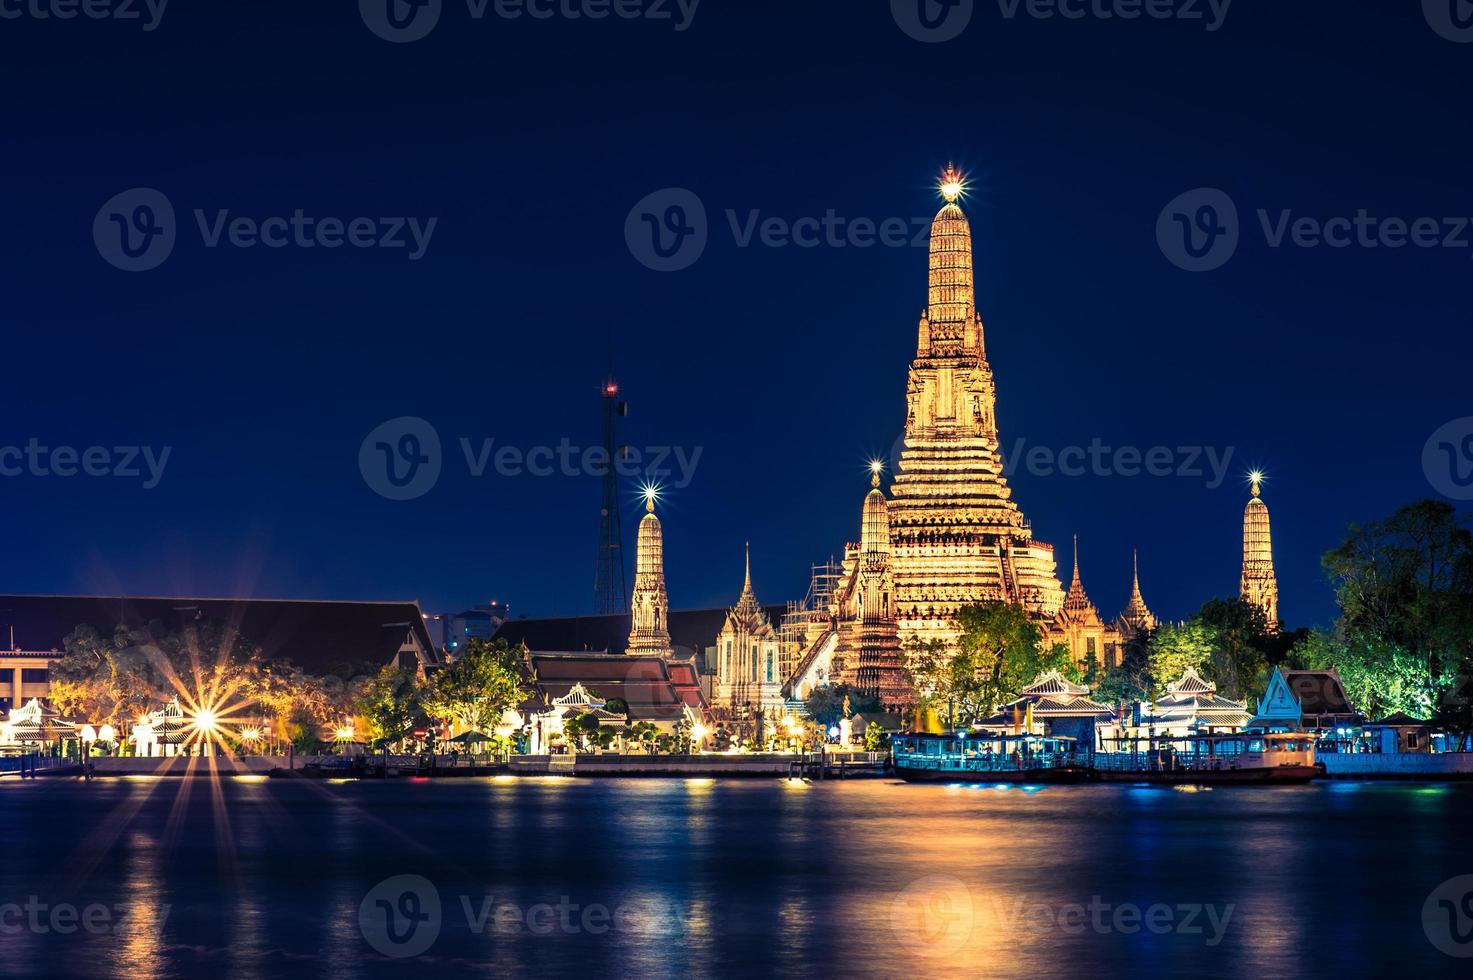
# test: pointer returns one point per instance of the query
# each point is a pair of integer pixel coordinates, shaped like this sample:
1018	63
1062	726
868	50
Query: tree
999	652
1176	649
477	687
389	705
876	739
1405	589
645	733
1240	646
826	704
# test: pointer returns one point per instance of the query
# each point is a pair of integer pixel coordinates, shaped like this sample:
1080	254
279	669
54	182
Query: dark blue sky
530	141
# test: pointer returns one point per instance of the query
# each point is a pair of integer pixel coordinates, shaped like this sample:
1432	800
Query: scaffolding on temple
810	616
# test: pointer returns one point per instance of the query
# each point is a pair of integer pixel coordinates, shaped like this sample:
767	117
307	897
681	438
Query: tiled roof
318	636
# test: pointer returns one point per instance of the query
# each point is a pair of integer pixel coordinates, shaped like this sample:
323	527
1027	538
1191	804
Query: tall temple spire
1076	600
874	634
1137	617
958	536
650	632
1259	584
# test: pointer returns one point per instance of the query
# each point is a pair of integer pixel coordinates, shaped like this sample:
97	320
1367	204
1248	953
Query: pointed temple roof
748	611
1054	683
1191	683
1077	600
1137	615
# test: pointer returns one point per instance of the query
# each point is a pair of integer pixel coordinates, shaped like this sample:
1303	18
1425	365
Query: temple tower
1079	626
651	603
1259	584
874	641
748	668
1137	617
957	535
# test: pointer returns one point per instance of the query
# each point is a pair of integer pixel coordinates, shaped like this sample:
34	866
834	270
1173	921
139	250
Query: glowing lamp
953	185
107	734
89	734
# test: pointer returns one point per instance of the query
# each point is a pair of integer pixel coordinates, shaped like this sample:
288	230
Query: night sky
530	141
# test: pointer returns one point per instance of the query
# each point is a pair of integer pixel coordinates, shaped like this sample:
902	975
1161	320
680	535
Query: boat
987	757
1240	758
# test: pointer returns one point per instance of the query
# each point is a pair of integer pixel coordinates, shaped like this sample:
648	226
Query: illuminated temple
953	535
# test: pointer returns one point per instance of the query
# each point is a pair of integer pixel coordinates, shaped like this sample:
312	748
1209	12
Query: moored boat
973	756
1251	758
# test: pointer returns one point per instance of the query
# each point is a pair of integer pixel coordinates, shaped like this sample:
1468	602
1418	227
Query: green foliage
1175	649
876	739
645	733
474	690
826	705
1405	633
1000	651
389	704
1240	634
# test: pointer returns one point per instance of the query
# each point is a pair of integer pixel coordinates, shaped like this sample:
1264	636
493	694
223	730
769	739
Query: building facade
748	657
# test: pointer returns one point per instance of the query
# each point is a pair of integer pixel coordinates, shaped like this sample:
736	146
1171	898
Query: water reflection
700	877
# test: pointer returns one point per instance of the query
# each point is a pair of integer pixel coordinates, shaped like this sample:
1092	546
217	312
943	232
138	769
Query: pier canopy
1191	704
35	724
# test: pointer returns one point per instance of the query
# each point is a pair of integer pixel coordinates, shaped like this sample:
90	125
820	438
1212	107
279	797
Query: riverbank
842	765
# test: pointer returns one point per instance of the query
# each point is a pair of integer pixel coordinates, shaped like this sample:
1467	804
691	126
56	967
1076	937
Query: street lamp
697	733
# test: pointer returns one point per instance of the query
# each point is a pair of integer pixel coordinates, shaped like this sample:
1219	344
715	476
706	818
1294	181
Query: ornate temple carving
650	634
957	536
1259	585
748	658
